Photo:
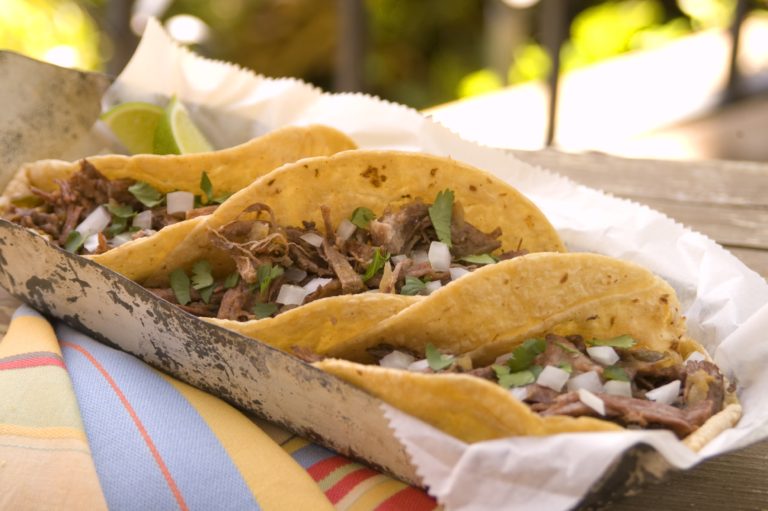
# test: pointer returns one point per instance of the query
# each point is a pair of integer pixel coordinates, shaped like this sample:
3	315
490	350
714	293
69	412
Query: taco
330	230
543	344
95	204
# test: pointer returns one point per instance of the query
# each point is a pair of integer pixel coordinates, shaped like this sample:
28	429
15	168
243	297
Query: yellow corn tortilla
228	169
352	179
500	305
489	312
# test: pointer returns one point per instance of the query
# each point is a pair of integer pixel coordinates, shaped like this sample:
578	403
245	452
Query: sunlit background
636	77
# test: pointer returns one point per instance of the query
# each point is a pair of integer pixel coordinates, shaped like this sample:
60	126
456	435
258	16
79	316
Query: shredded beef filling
702	389
57	213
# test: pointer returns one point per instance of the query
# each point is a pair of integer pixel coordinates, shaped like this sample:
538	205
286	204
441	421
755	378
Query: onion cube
590	381
618	388
315	284
179	202
91	243
312	238
604	355
397	360
457	272
666	394
592	401
143	220
439	256
553	377
345	230
432	286
96	221
520	393
291	295
420	366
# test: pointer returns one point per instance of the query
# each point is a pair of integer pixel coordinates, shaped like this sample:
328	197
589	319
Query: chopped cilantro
437	361
615	373
500	370
517	379
523	356
206	187
206	292
566	366
440	214
146	194
379	259
480	259
119	210
362	217
412	286
264	310
180	286
622	341
231	280
74	241
265	274
536	370
117	226
201	275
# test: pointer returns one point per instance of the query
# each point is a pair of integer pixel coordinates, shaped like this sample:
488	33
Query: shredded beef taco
98	203
542	344
337	244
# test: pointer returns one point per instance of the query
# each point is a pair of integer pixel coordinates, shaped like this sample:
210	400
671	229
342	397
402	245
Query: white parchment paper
726	303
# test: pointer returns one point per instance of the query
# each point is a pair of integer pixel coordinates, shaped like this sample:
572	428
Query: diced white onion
312	238
592	401
457	272
618	388
420	366
121	238
314	284
397	360
553	377
520	393
143	220
666	394
589	381
439	256
604	355
179	202
291	295
419	256
432	286
91	243
345	230
399	258
295	274
96	222
695	356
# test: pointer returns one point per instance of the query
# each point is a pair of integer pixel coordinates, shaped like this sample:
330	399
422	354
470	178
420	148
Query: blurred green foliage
419	53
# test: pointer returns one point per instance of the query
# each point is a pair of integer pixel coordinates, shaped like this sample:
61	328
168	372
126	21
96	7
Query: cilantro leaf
362	217
437	361
379	259
119	210
413	286
146	194
480	259
74	241
201	275
566	366
207	187
231	280
180	286
265	274
440	214
615	373
522	357
500	370
263	310
622	341
517	379
206	292
117	226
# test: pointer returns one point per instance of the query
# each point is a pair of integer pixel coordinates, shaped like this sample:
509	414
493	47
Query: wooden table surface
727	201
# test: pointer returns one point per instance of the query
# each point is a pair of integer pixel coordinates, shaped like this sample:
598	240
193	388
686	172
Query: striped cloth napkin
84	426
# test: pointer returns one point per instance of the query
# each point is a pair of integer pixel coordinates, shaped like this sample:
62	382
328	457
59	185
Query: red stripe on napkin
347	484
410	499
320	470
38	361
144	434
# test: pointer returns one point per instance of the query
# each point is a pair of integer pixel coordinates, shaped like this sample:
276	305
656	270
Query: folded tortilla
492	311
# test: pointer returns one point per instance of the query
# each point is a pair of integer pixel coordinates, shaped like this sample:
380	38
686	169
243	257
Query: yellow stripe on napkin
28	334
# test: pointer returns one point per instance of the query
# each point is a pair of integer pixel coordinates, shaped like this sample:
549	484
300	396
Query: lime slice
134	124
177	134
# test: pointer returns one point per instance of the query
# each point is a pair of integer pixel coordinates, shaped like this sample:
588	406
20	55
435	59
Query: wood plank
722	182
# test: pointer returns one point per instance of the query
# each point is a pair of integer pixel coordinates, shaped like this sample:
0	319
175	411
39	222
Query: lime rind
176	133
134	124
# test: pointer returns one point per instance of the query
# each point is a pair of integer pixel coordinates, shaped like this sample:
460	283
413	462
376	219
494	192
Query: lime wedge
134	124
177	134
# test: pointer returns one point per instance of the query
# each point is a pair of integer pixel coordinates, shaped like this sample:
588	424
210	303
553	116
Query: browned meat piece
205	210
560	350
333	288
351	282
703	383
233	303
397	233
468	240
